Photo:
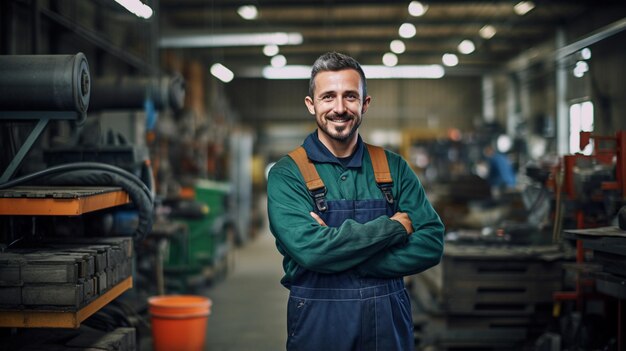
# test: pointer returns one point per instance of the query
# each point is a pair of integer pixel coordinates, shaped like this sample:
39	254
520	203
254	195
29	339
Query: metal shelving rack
60	201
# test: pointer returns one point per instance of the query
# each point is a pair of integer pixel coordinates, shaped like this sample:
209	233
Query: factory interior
137	137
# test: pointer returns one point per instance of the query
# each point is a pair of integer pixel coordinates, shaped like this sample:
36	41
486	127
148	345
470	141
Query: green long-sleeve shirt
379	248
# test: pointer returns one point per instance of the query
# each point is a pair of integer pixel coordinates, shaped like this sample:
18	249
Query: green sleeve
315	247
424	247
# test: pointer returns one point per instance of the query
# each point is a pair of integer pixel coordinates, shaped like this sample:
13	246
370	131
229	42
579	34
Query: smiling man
351	220
339	107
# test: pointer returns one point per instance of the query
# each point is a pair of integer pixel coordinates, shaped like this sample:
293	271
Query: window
580	120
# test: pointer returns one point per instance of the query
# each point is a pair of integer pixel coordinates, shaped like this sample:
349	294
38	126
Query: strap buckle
319	197
386	190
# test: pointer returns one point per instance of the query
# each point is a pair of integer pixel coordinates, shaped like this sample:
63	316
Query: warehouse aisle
250	306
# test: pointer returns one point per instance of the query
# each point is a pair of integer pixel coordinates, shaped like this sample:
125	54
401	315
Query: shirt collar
317	152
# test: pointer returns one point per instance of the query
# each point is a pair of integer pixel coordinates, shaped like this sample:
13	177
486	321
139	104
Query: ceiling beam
194	19
233	4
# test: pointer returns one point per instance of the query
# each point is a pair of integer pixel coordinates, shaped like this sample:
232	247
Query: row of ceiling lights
466	46
406	31
397	46
390	59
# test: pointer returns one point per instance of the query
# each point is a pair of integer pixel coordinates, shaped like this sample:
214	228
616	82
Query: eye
352	97
327	97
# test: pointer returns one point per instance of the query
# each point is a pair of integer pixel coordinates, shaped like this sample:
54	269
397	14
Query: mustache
342	116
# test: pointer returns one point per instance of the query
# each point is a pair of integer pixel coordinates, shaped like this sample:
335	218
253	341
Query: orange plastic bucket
179	322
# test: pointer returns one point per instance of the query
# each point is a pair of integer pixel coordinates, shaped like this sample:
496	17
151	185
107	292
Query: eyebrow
333	92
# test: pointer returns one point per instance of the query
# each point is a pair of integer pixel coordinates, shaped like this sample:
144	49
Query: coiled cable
93	173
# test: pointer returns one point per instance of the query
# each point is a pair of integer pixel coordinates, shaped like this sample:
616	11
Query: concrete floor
250	306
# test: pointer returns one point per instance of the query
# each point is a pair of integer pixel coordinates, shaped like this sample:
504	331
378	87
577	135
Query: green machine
202	255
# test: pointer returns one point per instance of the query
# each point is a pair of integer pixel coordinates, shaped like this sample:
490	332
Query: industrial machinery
590	197
595	185
132	93
203	255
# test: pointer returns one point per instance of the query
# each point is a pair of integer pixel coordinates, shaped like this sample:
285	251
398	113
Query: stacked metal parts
64	273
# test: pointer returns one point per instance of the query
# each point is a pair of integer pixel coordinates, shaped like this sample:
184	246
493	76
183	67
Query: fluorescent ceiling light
523	7
417	9
371	72
137	7
581	68
390	59
405	71
223	40
287	72
585	53
407	30
397	46
487	31
248	12
450	60
466	47
222	73
279	61
270	50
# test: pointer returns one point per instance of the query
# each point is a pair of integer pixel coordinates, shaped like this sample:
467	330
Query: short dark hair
334	61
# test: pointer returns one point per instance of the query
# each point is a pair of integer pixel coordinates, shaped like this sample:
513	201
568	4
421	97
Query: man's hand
404	219
319	220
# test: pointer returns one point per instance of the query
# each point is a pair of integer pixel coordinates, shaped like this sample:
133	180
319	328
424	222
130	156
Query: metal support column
562	110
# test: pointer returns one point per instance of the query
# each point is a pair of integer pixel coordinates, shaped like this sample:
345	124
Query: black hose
79	166
103	178
83	173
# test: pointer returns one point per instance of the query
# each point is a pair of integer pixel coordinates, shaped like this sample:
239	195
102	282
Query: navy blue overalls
344	311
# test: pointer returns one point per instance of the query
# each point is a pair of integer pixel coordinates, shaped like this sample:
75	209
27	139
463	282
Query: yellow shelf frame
61	319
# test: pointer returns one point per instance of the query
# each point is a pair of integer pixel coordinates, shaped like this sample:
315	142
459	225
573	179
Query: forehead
343	80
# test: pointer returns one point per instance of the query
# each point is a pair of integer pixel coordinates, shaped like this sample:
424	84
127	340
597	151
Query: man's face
337	104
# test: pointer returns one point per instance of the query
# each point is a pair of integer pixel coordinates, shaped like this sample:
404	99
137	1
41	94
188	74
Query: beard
340	133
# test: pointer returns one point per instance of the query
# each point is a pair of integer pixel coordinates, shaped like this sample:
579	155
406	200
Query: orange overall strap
314	183
379	163
381	171
307	169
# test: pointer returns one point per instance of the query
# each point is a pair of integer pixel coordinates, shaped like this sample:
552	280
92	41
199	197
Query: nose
339	107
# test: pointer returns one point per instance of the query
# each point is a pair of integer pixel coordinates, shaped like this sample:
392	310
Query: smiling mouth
337	119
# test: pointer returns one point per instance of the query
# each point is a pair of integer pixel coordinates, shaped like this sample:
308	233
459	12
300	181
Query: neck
339	148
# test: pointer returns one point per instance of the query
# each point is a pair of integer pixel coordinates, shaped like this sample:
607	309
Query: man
347	247
501	174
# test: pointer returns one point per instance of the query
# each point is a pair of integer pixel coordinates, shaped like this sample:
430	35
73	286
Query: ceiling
365	28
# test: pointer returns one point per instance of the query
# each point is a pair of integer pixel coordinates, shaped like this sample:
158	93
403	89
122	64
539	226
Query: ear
366	104
309	105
